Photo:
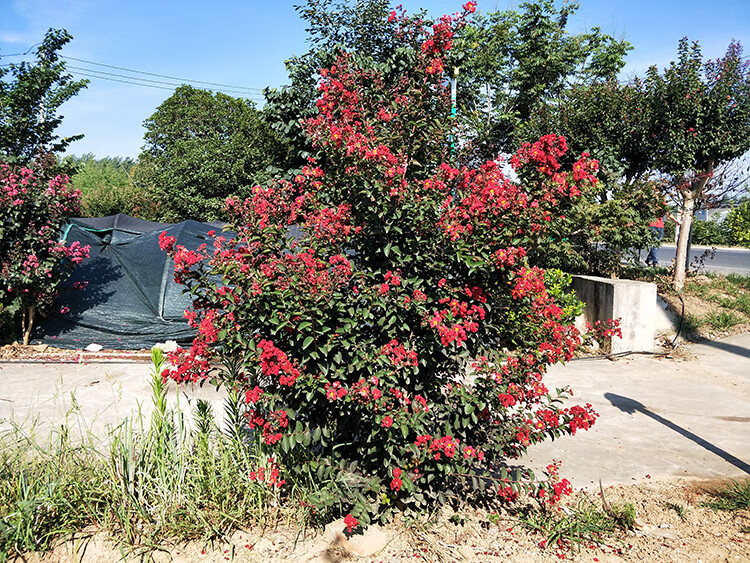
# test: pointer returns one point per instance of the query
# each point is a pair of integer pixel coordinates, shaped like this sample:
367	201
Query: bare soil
671	526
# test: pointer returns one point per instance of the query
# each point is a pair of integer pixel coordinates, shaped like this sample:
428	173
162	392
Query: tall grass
155	477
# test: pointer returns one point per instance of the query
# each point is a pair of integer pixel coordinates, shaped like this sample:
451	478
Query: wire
185	80
88	73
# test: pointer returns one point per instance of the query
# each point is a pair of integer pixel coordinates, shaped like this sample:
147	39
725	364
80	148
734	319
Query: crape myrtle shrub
34	204
392	351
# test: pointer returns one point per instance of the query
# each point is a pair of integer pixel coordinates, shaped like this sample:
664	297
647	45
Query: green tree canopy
30	99
514	63
203	147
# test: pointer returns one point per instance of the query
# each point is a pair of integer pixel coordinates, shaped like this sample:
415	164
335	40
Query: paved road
724	261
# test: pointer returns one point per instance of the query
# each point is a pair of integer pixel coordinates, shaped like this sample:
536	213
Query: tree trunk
689	195
686	222
27	322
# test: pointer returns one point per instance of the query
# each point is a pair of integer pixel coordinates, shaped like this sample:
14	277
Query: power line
183	80
158	84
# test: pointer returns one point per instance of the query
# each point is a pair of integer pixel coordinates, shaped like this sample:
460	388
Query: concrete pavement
659	417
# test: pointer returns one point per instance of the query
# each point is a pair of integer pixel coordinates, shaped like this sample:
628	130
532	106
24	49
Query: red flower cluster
398	355
275	364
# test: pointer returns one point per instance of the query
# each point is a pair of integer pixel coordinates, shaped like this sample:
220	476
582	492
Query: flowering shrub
378	312
33	262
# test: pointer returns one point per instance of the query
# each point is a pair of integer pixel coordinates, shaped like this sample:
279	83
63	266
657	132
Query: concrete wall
633	302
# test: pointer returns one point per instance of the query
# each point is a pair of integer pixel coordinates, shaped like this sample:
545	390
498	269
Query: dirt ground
672	526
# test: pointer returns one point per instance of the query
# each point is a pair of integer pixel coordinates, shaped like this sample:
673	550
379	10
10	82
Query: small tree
702	119
33	263
391	347
29	103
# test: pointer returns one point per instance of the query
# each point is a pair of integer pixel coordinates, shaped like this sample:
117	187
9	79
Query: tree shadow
631	406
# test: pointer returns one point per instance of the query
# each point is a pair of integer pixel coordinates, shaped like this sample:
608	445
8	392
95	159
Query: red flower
387	422
351	522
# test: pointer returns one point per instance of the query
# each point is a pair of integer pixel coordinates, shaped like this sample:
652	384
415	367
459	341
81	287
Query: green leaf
306	344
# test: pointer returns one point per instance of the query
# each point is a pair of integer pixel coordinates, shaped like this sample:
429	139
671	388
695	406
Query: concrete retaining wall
633	302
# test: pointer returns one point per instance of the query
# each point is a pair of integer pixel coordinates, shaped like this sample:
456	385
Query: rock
363	544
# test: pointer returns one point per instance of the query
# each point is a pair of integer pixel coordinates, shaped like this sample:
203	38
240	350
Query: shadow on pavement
631	406
731	348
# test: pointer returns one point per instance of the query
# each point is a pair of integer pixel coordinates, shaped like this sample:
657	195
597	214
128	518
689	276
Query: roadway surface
724	260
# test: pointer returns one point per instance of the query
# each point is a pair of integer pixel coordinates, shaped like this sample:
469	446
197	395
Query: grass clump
585	523
154	478
731	496
722	320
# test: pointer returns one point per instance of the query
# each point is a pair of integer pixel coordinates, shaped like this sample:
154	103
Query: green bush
738	223
711	233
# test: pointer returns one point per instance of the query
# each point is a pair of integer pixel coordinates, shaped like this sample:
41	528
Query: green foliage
738	223
30	99
201	148
595	236
711	233
107	188
514	63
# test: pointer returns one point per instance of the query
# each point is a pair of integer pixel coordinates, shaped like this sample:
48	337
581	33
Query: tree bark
686	221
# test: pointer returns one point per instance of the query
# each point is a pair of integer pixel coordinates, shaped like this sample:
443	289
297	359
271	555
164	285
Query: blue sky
244	43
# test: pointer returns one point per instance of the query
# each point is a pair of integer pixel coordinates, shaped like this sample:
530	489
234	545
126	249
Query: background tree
107	187
203	147
514	63
30	99
701	116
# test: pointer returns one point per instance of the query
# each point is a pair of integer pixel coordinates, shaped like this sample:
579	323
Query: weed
722	320
679	509
734	496
622	515
565	527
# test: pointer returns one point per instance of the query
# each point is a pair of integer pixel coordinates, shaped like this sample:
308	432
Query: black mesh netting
131	300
